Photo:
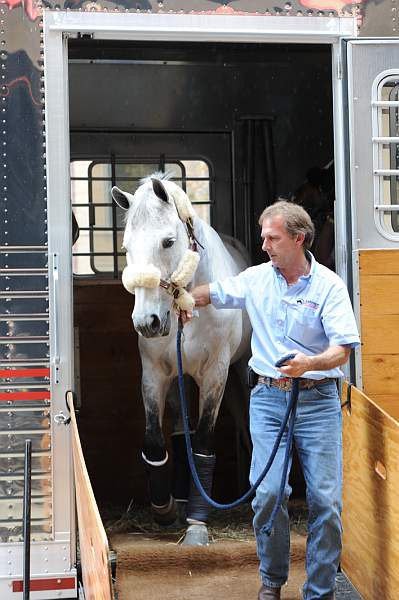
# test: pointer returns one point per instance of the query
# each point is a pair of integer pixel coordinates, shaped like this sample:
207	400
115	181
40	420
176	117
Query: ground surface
153	565
224	570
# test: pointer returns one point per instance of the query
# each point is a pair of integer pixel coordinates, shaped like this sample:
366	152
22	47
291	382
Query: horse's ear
159	190
121	198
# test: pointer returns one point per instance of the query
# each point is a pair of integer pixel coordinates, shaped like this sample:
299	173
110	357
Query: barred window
385	115
98	249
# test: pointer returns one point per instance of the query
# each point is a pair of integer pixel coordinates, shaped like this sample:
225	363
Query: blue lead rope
289	415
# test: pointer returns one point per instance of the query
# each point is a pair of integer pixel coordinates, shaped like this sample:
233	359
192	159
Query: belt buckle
285	385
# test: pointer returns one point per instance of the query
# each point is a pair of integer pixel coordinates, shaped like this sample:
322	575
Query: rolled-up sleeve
229	293
338	319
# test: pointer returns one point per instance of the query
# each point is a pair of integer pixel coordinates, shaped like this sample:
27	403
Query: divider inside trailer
94	550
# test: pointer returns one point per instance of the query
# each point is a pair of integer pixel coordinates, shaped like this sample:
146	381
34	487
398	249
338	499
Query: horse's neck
216	262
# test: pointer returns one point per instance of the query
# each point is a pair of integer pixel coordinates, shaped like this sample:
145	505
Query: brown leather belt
285	383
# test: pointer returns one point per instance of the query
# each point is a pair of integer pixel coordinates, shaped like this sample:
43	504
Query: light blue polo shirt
309	316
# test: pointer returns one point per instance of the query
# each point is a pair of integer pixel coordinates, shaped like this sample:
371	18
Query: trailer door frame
58	27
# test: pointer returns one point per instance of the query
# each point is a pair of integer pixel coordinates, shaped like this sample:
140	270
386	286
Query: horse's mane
216	258
157	175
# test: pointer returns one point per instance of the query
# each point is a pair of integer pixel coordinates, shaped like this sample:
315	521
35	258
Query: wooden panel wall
111	419
371	491
379	310
371	436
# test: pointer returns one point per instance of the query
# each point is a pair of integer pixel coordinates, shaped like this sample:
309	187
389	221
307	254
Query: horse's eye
168	242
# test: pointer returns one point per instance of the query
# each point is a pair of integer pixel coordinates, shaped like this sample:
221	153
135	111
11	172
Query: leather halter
169	286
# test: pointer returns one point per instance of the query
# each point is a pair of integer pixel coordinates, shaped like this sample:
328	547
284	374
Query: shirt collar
312	259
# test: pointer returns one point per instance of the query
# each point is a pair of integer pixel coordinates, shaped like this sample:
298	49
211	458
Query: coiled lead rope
289	416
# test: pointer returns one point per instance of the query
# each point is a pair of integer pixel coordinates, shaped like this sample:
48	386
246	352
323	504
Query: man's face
283	250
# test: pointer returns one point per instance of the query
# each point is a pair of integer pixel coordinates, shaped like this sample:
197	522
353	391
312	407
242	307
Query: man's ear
300	238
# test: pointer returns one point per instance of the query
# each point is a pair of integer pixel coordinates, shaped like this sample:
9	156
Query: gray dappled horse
160	223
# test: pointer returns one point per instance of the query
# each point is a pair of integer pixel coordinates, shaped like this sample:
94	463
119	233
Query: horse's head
155	236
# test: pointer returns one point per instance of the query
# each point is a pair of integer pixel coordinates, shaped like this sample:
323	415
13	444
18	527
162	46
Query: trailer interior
237	125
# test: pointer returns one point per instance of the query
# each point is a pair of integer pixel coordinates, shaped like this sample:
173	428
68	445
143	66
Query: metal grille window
98	249
385	115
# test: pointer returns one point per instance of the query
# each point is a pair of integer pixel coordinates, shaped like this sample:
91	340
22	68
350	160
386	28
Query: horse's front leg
212	386
154	388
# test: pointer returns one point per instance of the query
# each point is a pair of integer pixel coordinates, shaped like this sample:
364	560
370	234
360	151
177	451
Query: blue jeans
318	439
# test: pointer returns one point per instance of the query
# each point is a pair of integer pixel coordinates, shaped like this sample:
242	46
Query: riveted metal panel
14	463
25	399
24	420
11	512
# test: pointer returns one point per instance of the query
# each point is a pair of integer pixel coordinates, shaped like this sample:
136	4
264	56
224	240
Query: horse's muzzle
152	326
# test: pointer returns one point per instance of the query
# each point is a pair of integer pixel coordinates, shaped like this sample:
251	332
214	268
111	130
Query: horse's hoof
196	535
164	515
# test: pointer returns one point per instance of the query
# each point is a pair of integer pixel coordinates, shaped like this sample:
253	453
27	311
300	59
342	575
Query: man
296	306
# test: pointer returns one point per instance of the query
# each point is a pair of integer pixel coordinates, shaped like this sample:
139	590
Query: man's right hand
186	316
201	295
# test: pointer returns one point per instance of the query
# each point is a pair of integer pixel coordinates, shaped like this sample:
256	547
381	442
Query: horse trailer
241	102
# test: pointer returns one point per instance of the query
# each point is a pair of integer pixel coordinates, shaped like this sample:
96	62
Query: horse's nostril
155	323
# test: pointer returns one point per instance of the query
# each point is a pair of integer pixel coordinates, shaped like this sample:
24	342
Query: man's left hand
297	366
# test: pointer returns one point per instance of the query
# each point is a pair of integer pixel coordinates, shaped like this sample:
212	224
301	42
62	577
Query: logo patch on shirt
308	303
311	304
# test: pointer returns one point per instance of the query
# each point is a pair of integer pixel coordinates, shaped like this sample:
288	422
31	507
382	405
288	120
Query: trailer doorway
277	39
237	125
